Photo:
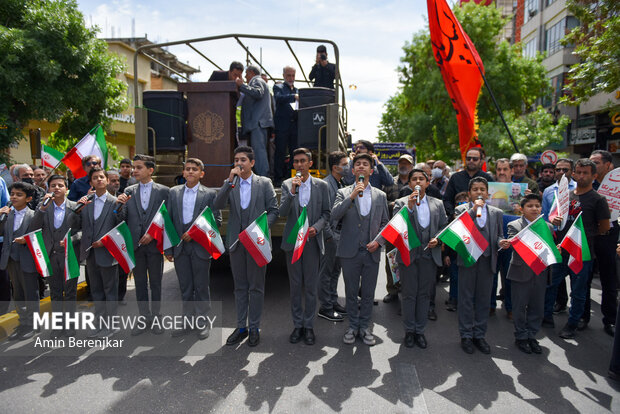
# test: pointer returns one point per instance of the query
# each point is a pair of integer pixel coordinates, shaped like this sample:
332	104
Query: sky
369	34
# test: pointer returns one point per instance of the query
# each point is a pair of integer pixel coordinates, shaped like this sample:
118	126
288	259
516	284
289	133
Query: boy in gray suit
191	261
364	212
98	218
54	217
476	282
251	196
297	193
527	288
17	260
428	218
141	202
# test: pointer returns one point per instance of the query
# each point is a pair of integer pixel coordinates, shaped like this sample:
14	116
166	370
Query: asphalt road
279	377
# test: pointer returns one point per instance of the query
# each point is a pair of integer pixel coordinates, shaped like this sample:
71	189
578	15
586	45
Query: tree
53	67
596	42
422	105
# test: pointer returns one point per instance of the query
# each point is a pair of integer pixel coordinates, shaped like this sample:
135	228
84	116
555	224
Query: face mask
436	173
28	180
403	171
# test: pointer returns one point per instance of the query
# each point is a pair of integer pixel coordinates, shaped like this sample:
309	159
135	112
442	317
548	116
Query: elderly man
24	173
518	162
440	176
40	176
81	186
474	159
285	120
114	182
256	116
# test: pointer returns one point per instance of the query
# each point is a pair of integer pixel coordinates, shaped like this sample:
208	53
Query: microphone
236	179
297	175
79	206
118	204
47	200
418	188
361	180
3	216
479	211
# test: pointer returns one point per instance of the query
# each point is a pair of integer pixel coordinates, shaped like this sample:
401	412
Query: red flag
456	57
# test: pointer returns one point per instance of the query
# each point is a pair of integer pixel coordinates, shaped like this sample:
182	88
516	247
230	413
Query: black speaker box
309	97
166	114
309	121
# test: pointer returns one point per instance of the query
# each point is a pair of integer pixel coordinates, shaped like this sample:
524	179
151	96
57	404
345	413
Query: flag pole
575	221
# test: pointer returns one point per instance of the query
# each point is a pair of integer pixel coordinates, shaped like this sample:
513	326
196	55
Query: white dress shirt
482	220
424	213
245	191
189	201
304	192
59	214
99	202
145	194
365	202
18	218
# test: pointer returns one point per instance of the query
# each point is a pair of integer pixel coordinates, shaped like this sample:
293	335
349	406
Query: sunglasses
472	158
92	163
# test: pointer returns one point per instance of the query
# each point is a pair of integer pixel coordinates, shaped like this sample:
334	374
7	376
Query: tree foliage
52	67
423	106
596	41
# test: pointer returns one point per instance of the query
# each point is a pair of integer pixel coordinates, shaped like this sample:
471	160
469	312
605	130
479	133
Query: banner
507	196
610	189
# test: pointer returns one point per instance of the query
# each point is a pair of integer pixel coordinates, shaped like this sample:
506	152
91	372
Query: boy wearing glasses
81	186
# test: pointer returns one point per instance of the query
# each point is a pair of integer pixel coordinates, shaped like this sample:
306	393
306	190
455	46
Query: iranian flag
400	232
162	229
256	240
535	245
204	232
72	266
462	236
35	243
93	143
299	235
119	244
576	244
50	157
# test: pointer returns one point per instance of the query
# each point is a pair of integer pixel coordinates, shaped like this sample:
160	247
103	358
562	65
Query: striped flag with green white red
299	235
92	143
162	229
400	232
204	231
72	266
535	245
463	237
576	244
50	157
119	244
35	243
256	240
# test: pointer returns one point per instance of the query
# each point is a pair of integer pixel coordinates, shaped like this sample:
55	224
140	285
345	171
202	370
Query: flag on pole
460	67
535	245
93	143
119	244
463	237
299	235
400	232
555	207
576	244
204	232
50	157
35	243
162	229
72	266
256	240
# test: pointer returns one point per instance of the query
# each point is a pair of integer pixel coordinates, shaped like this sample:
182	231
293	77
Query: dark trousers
614	365
360	269
249	288
328	274
528	299
416	281
454	279
503	262
62	293
303	276
605	249
194	277
285	139
103	287
578	285
148	273
25	292
122	284
475	284
5	290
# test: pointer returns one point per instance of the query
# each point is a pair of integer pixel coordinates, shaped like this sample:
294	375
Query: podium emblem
208	127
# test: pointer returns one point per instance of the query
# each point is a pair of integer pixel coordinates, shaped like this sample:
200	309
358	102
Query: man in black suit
285	120
235	71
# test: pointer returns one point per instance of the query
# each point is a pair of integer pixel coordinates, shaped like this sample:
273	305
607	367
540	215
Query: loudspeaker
166	115
309	97
309	121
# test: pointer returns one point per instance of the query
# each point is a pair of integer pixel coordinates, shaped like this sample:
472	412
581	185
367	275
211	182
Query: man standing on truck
285	120
323	73
233	73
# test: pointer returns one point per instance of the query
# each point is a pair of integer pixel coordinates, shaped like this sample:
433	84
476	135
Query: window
531	8
553	36
550	2
529	50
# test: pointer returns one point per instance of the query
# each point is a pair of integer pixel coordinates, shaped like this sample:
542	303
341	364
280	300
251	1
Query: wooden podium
211	127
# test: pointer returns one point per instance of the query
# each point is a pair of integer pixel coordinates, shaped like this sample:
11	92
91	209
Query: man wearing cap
518	163
323	73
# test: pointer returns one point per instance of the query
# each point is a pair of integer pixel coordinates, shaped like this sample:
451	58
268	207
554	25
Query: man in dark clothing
235	71
323	73
285	121
125	176
81	186
546	177
459	181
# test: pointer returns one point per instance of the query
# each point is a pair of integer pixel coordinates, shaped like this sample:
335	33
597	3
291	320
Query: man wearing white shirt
297	193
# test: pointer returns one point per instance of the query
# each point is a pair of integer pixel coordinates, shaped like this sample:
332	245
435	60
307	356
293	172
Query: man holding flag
192	261
305	203
253	203
419	254
55	218
141	202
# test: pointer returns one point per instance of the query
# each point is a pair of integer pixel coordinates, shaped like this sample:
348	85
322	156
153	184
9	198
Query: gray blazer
137	219
44	220
330	230
263	198
26	262
495	225
438	221
94	230
256	105
204	198
519	271
318	211
346	210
